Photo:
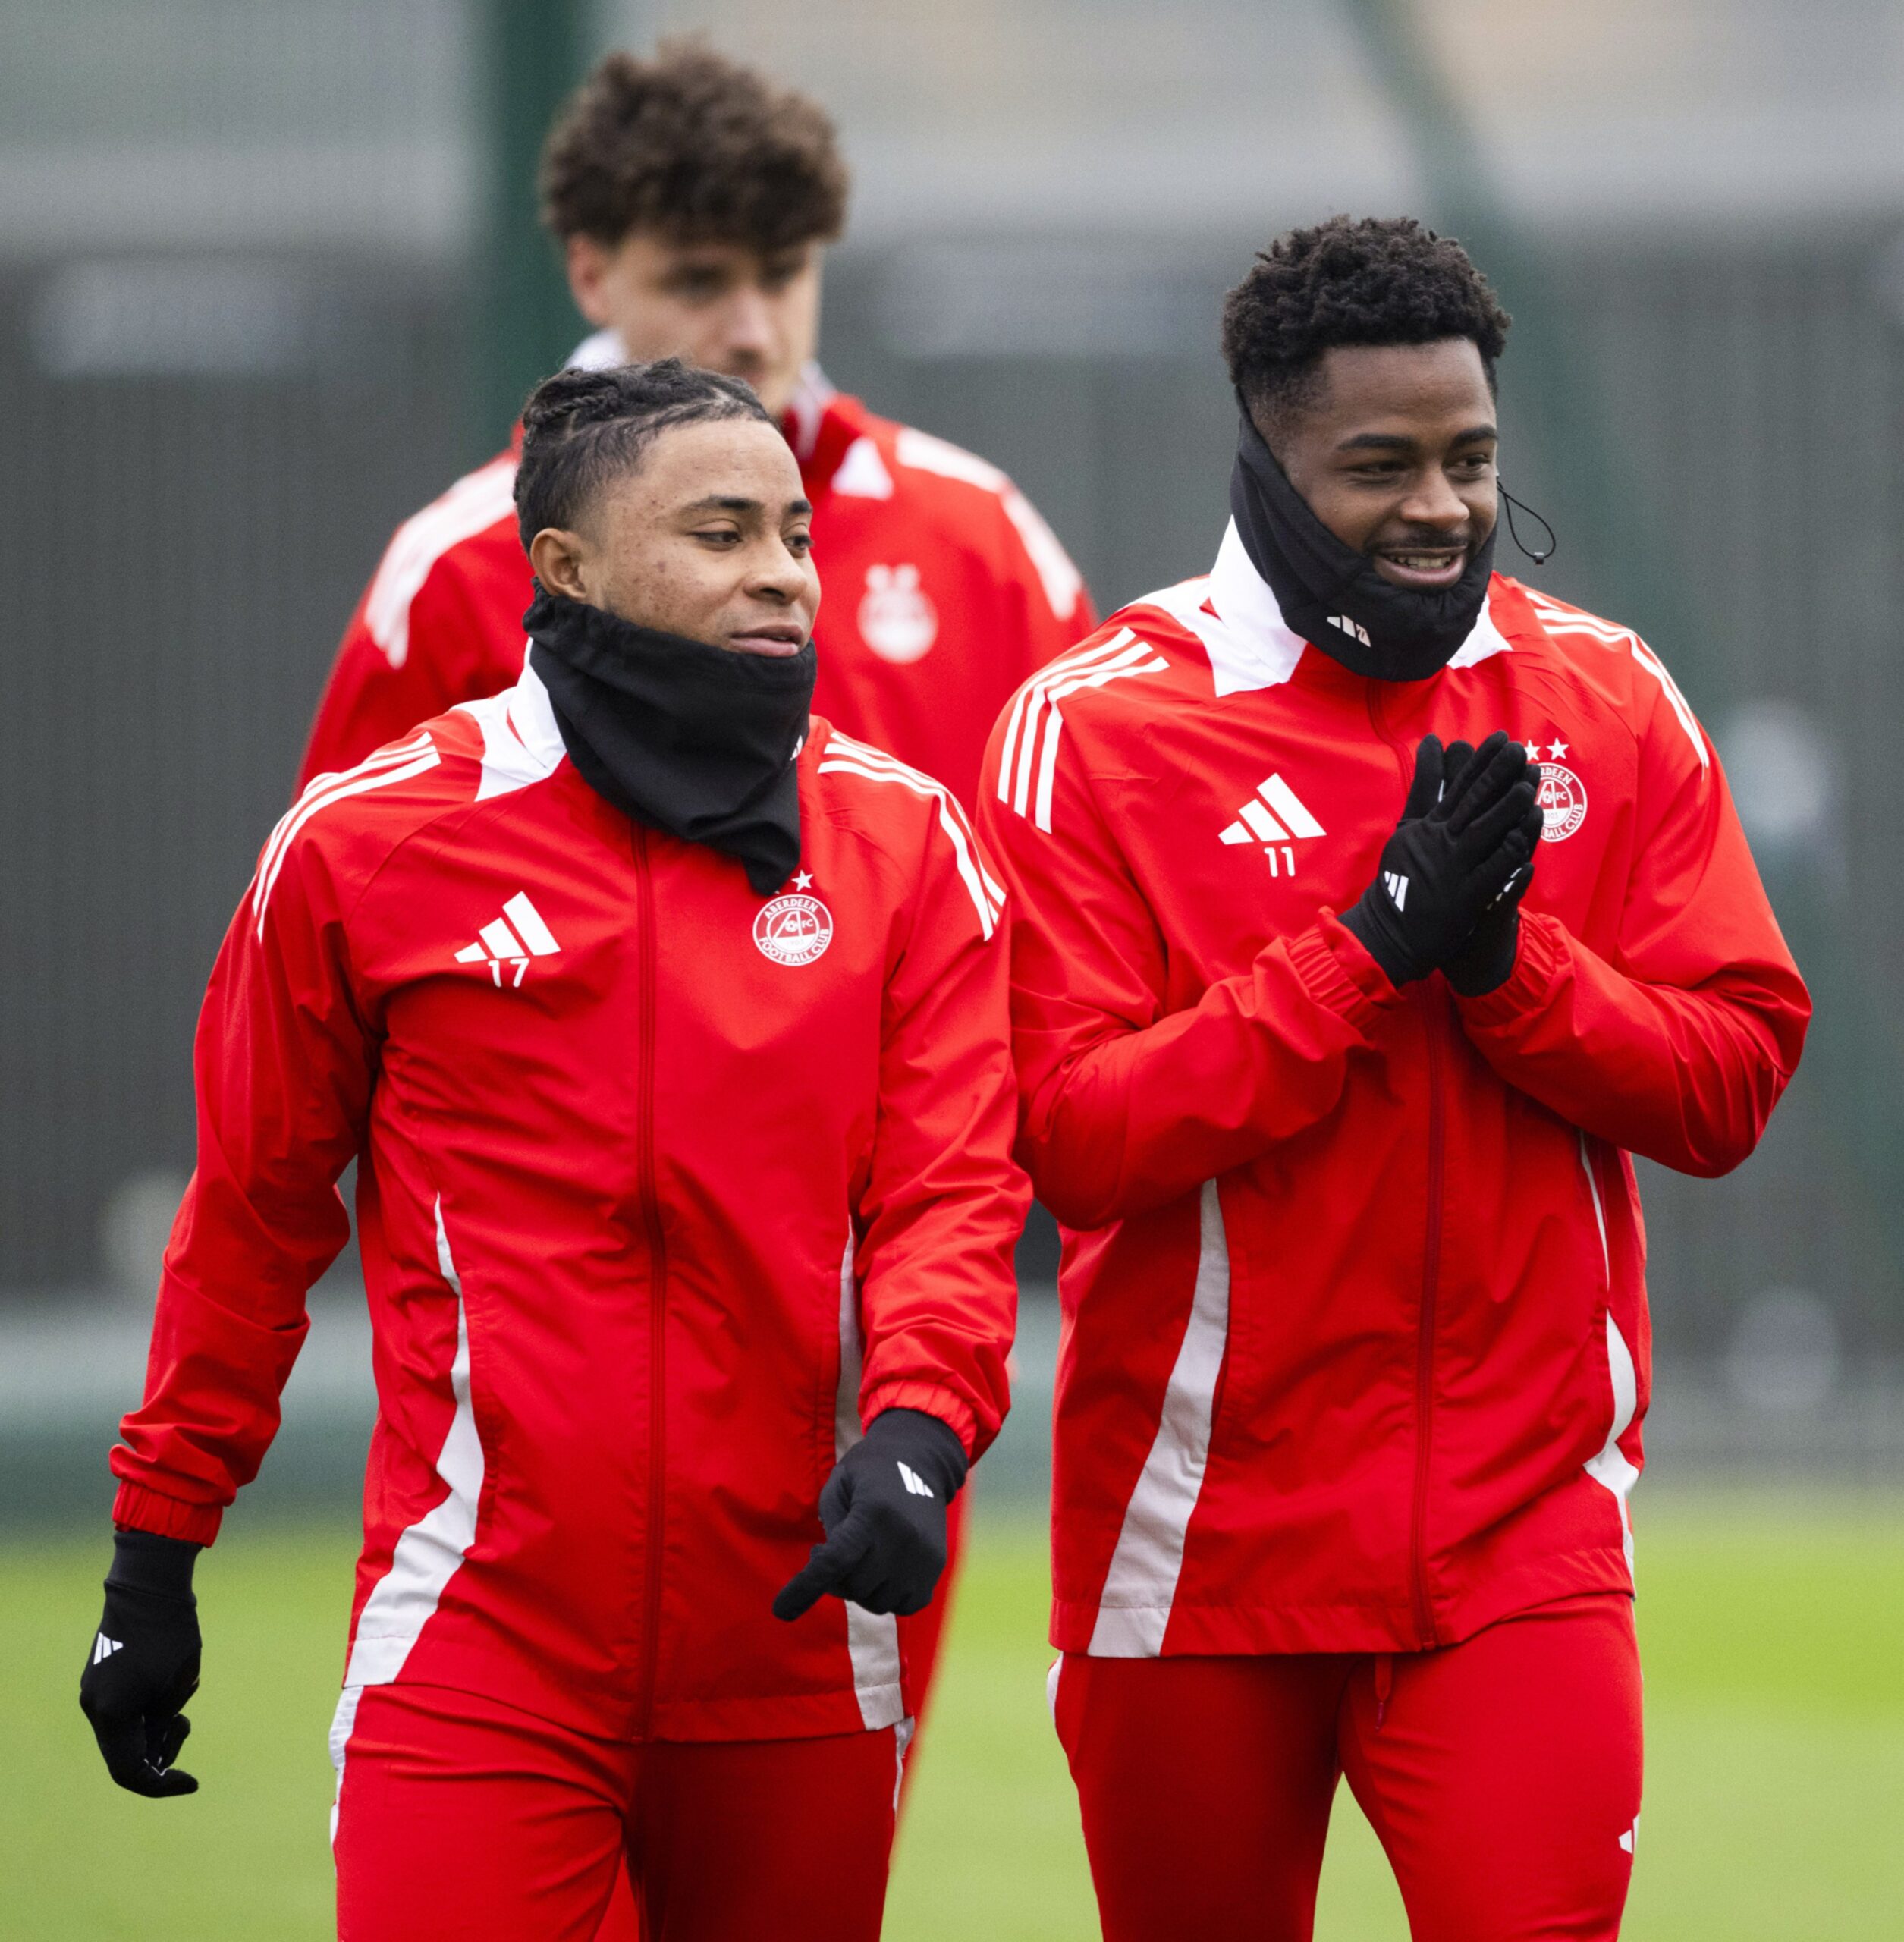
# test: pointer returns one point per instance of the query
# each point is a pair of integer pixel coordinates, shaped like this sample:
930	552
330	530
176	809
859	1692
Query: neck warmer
1331	594
690	739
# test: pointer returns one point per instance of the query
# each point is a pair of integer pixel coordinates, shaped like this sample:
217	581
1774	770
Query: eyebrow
716	502
1393	441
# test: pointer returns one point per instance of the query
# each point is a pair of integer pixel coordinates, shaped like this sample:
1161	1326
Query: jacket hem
608	1712
803	1716
138	1507
1345	1625
844	1713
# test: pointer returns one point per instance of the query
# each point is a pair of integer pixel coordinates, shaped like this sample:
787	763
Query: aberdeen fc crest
793	930
897	619
1564	803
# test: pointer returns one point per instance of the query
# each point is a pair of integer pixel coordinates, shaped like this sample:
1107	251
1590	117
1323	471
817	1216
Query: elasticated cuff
136	1508
1337	971
929	1399
1537	959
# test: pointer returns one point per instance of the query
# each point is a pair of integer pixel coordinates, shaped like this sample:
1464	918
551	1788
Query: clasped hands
1447	894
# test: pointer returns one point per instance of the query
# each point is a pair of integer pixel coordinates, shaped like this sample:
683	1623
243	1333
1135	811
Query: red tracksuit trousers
1502	1776
462	1820
921	1635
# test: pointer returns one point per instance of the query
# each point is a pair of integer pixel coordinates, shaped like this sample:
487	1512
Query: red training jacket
944	589
1356	1351
656	1178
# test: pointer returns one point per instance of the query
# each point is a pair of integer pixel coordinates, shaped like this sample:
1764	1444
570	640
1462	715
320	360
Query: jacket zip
657	1293
1433	1019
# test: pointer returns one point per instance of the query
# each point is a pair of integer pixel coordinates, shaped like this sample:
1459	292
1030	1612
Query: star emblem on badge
803	880
1559	749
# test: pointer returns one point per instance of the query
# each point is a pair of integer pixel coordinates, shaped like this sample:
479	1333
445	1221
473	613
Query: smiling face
708	537
721	306
1394	453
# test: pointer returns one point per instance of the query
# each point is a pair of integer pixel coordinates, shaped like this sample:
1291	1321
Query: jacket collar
533	717
522	741
1255	647
604	351
807	412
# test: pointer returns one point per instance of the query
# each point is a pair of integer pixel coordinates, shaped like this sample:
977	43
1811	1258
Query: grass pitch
1775	1755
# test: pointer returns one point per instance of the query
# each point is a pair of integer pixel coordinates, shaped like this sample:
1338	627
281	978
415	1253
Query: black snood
1332	596
693	739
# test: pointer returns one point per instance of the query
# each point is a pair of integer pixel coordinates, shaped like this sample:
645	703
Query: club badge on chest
1563	796
897	619
796	928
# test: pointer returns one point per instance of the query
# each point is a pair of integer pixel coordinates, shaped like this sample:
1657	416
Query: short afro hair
581	428
1381	280
696	148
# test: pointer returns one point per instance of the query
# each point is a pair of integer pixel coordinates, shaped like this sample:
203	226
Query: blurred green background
270	278
1775	1758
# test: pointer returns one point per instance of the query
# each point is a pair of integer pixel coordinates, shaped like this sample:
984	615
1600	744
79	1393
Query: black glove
143	1664
1461	840
1487	959
883	1508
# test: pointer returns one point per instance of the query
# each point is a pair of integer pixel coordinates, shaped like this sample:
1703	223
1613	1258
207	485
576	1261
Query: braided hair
581	428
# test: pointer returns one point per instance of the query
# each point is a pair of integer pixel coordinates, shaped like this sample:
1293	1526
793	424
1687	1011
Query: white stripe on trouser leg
902	1732
1050	1685
872	1637
344	1723
1141	1585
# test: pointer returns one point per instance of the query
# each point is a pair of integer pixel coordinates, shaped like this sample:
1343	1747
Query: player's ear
556	555
586	261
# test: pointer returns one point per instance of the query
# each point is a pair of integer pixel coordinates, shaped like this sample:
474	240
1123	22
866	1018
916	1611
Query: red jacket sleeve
463	639
282	1075
943	1201
1129	1103
1678	1045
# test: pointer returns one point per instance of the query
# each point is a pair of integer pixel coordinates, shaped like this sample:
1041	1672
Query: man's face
1396	457
707	539
721	306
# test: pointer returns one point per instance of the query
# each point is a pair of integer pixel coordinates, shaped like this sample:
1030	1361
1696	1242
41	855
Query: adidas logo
498	944
1349	627
104	1648
1274	816
915	1484
1397	888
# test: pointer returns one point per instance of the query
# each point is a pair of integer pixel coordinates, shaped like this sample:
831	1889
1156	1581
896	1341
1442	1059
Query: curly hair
581	428
1377	281
696	147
